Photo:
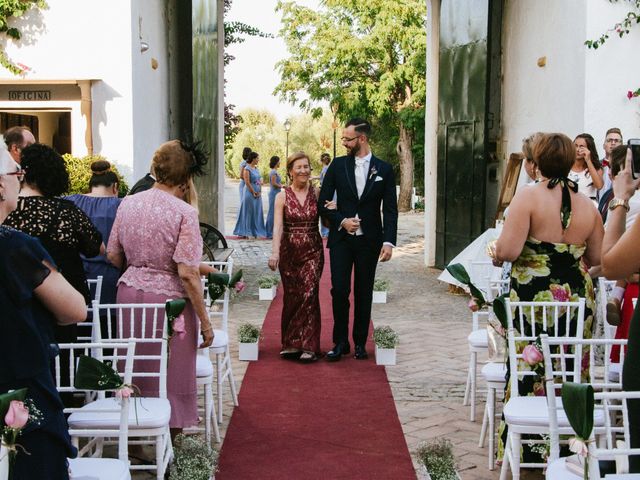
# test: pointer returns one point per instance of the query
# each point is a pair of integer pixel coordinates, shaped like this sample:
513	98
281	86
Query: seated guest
156	236
17	139
34	298
64	230
100	205
587	169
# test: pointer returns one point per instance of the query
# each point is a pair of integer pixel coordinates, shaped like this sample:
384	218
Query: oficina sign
22	95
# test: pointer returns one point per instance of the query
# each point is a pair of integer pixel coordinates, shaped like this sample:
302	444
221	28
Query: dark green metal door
467	127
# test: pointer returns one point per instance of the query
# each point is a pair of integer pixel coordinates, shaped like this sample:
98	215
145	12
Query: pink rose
124	392
240	286
17	416
178	325
532	355
629	94
559	293
473	305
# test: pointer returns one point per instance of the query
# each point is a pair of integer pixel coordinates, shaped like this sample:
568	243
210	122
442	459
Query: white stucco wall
150	85
579	90
549	98
95	39
611	71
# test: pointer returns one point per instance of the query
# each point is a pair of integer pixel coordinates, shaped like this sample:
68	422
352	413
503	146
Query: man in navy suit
358	236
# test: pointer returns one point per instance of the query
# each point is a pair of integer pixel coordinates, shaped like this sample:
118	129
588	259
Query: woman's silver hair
7	164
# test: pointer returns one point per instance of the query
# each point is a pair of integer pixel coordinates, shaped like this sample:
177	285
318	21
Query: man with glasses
358	236
17	139
612	139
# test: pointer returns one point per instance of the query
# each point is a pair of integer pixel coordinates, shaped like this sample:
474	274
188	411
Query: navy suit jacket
379	191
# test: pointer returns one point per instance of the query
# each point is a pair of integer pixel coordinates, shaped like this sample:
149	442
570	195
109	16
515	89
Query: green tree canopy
366	59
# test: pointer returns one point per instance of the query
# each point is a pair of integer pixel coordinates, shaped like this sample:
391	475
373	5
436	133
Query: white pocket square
378	179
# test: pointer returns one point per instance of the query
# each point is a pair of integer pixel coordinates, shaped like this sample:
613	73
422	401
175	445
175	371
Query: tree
365	58
261	131
14	9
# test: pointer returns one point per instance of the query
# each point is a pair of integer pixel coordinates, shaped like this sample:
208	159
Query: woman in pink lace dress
156	235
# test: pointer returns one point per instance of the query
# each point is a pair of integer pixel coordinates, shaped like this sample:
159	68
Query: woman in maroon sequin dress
298	253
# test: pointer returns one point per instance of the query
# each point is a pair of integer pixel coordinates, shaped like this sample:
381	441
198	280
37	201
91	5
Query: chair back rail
220	307
147	324
552	318
119	353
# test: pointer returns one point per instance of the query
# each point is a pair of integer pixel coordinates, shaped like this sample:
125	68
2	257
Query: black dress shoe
337	351
360	353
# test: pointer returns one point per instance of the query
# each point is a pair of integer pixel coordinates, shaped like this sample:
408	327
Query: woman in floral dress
552	235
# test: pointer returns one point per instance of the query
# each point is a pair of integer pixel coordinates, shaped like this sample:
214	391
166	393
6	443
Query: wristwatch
617	202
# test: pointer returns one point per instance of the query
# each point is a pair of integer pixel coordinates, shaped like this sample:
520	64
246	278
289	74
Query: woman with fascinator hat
156	237
552	235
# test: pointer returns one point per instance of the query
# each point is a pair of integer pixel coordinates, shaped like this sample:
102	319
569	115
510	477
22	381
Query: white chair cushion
152	413
478	338
558	471
494	372
204	367
220	339
535	412
98	469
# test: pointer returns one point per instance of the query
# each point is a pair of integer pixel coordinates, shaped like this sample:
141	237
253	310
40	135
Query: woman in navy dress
275	182
101	205
251	219
34	297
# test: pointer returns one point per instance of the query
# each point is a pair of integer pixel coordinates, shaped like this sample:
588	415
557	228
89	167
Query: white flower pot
267	293
4	463
248	351
379	297
385	356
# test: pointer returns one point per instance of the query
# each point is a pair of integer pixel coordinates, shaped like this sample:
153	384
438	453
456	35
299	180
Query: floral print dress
547	271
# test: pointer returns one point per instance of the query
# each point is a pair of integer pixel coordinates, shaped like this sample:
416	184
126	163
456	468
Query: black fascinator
199	156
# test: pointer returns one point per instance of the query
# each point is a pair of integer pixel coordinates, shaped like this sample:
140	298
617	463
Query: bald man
18	138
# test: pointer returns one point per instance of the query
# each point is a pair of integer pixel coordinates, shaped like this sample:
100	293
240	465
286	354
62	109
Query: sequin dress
301	263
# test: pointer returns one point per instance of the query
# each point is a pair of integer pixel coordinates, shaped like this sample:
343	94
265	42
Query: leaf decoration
173	308
578	402
458	272
92	374
500	310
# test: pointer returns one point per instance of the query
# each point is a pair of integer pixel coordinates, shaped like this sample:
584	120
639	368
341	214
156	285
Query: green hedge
79	169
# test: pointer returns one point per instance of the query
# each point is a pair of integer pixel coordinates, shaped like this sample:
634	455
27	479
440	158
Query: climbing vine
14	9
622	28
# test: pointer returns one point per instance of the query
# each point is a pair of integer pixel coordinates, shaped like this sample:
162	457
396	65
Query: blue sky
251	77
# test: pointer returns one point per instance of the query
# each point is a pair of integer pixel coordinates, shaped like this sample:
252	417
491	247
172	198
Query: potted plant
248	336
193	459
386	340
380	288
438	459
267	286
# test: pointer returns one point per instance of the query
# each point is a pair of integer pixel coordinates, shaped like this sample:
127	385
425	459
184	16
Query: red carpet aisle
318	421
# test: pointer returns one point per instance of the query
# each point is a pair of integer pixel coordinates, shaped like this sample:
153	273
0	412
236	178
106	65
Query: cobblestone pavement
428	381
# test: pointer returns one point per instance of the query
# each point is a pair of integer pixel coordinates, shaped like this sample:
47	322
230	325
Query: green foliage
268	281
621	28
376	69
381	285
193	459
385	337
437	457
13	9
79	169
261	131
248	333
